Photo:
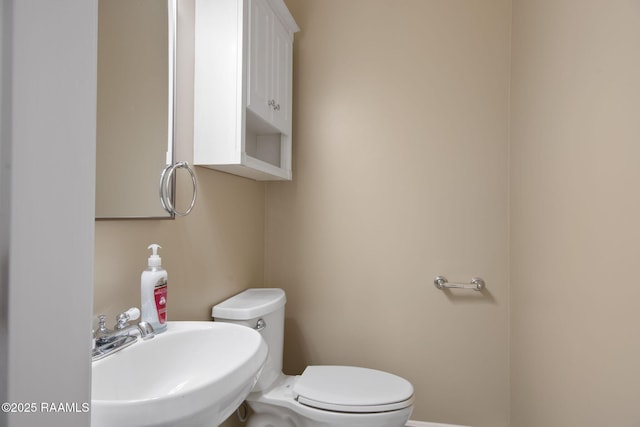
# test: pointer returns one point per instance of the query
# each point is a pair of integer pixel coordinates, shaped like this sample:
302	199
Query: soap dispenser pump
153	292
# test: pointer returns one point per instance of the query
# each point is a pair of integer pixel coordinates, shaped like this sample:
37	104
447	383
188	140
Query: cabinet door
282	55
259	96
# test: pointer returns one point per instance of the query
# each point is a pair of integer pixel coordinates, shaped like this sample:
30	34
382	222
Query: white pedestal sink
193	375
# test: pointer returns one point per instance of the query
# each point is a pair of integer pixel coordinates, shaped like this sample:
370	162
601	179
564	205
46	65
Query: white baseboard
412	423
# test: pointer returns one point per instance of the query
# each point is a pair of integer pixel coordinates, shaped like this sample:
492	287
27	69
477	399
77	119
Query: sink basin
193	375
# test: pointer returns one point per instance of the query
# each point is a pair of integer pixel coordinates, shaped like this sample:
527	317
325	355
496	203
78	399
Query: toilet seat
352	389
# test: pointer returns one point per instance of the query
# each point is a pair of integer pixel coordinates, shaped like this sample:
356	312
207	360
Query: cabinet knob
272	103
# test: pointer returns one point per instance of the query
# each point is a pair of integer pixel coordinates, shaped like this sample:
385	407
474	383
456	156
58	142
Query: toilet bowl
323	396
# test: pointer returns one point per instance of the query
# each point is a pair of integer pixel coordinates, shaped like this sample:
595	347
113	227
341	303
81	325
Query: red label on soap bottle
160	295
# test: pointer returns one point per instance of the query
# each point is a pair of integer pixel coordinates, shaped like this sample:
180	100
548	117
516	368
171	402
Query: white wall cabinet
243	87
270	65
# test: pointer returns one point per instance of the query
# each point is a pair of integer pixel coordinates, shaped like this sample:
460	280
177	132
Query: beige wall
400	174
211	254
215	252
402	169
575	208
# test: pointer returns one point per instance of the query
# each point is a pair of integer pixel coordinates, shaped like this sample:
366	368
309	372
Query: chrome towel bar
441	282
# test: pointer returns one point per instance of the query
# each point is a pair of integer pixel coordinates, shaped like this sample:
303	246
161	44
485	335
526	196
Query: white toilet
323	396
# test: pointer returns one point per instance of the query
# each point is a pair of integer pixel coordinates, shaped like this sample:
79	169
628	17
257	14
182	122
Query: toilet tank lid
250	304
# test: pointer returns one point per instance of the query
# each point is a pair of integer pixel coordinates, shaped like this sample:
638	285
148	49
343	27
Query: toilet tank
263	310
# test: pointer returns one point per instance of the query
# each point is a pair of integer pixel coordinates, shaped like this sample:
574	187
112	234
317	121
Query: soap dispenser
153	292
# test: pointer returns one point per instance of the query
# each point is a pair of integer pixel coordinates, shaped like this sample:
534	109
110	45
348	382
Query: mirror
135	111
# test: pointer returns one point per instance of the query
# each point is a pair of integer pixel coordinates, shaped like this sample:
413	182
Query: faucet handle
102	322
123	318
100	330
133	313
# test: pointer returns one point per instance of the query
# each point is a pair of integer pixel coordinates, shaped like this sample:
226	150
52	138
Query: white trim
49	59
412	423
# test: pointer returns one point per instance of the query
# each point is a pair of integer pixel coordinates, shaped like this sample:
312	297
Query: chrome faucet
107	341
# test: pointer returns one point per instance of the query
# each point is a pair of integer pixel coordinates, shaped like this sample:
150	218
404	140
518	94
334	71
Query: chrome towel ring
165	192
